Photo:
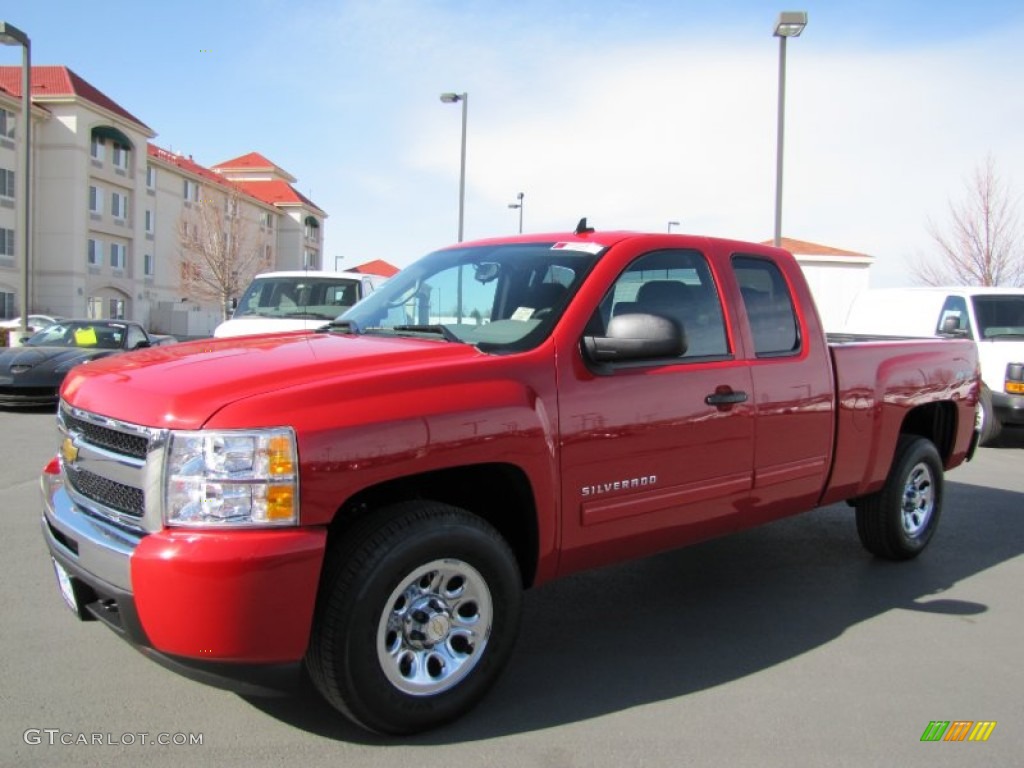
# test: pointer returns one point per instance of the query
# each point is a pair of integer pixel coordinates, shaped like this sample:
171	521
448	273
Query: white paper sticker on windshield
523	313
592	248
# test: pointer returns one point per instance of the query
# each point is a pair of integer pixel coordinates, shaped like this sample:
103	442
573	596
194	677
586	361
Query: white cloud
635	134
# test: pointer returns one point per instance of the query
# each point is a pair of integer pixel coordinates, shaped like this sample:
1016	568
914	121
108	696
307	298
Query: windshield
501	298
300	297
87	335
999	316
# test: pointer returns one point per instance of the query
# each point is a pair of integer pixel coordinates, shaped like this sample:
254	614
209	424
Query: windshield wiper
340	326
434	330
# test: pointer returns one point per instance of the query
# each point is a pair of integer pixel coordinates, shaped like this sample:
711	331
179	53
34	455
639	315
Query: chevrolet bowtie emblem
68	451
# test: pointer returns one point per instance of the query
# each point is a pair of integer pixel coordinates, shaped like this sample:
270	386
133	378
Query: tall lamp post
672	224
790	24
519	205
452	98
11	35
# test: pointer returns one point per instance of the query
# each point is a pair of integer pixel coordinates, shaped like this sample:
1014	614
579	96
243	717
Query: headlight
243	478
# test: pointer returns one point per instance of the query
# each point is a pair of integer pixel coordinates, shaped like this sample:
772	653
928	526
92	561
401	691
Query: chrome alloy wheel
918	499
434	627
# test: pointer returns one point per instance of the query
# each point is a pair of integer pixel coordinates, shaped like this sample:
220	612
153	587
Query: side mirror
142	345
637	337
951	326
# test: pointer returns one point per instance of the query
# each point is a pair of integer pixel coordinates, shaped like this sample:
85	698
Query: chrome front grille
123	498
105	437
112	467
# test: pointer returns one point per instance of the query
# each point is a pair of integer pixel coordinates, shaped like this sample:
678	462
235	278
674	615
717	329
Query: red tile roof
249	161
253	161
186	164
57	82
376	267
804	248
276	192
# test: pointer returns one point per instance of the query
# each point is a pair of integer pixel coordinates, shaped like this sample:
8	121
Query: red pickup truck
366	502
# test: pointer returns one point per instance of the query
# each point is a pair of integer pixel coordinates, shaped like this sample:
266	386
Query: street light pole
519	205
11	35
789	24
672	224
451	98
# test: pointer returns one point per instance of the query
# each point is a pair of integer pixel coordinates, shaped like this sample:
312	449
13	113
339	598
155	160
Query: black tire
991	427
897	522
418	612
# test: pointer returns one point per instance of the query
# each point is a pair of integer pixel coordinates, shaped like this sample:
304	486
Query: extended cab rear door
793	392
655	453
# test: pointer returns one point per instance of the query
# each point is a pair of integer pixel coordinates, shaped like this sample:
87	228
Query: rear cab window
769	306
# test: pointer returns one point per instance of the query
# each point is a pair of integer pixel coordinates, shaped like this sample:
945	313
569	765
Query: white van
295	301
993	317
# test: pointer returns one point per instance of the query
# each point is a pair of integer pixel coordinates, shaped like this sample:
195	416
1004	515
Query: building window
94	309
119	156
117	252
96	148
191	191
149	222
150	177
95	200
6	183
268	255
267	220
309	259
312	229
118	205
7	310
95	252
148	266
7	121
6	242
116	309
230	208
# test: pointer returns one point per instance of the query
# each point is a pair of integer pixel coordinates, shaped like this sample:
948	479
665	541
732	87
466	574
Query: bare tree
982	243
220	248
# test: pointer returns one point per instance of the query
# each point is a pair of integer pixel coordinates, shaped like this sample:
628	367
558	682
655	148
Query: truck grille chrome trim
112	468
110	493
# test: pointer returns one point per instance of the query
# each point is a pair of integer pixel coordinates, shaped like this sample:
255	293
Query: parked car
370	500
32	373
296	301
35	323
992	317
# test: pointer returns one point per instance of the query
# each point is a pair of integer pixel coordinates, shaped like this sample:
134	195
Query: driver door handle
729	397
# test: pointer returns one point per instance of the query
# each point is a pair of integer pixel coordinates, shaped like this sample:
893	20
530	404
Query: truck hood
249	326
181	386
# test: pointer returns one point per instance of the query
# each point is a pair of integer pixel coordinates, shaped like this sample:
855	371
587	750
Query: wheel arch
499	493
936	422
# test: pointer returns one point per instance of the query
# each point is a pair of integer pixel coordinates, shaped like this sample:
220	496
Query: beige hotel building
106	205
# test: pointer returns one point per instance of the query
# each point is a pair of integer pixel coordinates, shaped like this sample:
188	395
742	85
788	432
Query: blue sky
631	113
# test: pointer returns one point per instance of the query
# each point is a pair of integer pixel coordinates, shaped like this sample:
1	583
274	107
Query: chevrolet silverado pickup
366	503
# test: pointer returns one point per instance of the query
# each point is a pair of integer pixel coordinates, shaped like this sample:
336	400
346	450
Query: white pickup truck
993	317
295	301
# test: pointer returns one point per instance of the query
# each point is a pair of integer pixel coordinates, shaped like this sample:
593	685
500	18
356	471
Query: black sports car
32	374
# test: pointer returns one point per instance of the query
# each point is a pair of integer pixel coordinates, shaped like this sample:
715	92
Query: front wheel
898	521
418	613
989	426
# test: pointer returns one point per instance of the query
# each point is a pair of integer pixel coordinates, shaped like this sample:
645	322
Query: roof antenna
582	228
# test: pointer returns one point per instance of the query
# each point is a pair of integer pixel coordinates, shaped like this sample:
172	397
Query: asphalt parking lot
787	645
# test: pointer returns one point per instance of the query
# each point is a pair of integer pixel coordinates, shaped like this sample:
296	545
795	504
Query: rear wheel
898	521
418	613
